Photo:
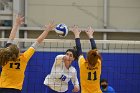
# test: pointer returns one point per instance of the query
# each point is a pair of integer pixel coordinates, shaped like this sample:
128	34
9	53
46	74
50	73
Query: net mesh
60	45
120	46
121	62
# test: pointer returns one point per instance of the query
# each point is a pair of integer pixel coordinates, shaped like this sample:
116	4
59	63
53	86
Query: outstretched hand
49	26
76	31
90	32
19	19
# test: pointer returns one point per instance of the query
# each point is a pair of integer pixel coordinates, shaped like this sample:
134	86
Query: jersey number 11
90	76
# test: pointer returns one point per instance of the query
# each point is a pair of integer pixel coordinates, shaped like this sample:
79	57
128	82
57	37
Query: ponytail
92	57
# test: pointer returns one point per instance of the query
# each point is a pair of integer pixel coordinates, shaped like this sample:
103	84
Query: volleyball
61	30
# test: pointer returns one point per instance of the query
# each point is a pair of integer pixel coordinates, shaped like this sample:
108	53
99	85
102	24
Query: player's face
70	54
104	85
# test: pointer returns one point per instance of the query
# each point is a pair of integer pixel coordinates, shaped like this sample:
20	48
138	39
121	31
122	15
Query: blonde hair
10	53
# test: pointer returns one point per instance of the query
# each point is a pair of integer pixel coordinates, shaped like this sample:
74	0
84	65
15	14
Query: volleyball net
121	62
60	45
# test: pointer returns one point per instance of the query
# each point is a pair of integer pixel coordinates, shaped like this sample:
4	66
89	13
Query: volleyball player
90	67
13	63
61	73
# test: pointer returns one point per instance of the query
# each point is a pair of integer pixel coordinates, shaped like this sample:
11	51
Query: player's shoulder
110	88
100	61
72	68
81	59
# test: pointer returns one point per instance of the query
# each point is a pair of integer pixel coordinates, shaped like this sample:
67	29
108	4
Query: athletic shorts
9	90
49	90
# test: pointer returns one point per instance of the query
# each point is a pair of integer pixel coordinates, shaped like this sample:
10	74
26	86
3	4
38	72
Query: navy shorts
9	90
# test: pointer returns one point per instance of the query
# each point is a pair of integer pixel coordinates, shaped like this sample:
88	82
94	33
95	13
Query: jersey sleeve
28	53
93	44
81	60
78	46
59	59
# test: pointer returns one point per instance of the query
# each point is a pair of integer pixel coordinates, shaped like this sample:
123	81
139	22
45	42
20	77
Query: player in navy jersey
90	67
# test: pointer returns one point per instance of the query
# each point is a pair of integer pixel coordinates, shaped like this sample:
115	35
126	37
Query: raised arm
90	32
19	20
40	39
48	28
16	25
76	31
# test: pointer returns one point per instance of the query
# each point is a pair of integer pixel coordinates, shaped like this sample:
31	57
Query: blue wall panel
121	70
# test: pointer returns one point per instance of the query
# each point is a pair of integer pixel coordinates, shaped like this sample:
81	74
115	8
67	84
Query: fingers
19	19
49	26
52	24
89	30
19	16
74	27
77	28
22	20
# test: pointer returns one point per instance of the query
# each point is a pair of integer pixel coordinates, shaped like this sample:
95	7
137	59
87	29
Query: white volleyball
61	30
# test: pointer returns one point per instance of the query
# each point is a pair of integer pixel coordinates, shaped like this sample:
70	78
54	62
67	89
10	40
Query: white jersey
60	76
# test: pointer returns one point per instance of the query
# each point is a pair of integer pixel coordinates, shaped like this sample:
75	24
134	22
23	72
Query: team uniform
59	77
89	78
12	75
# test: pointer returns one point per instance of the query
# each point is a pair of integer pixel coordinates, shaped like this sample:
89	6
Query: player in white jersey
62	72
